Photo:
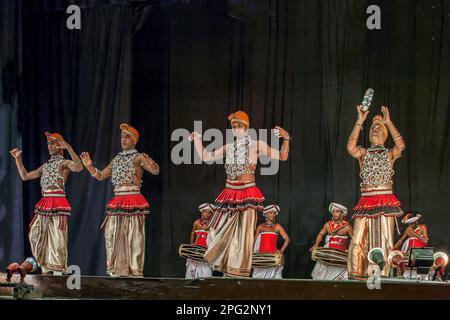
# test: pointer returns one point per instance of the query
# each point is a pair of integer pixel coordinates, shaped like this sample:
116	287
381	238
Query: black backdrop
161	65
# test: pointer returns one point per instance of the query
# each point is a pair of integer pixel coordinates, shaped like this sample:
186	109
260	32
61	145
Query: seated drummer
266	242
337	231
199	236
415	235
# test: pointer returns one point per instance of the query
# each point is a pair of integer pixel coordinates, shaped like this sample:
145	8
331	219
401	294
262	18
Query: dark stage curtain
11	219
303	65
77	83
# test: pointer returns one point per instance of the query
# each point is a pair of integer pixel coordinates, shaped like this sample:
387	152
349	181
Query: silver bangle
95	174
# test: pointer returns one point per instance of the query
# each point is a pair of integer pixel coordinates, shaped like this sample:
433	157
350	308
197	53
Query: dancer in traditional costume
124	224
48	228
233	224
376	211
266	242
337	231
199	236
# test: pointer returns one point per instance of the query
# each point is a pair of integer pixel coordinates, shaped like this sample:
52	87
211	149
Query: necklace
126	152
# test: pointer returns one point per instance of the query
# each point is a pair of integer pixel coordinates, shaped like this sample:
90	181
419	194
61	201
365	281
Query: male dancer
126	211
233	224
376	211
266	242
48	228
338	231
199	236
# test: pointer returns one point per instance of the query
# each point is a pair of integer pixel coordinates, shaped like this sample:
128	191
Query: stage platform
55	287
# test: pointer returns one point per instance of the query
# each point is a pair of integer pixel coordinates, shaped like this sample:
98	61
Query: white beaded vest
122	168
237	158
377	169
50	173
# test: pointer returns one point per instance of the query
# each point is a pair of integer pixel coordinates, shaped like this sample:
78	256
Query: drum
267	260
329	256
406	258
192	251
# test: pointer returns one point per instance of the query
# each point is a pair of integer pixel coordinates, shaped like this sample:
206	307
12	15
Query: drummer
266	242
414	236
199	236
337	231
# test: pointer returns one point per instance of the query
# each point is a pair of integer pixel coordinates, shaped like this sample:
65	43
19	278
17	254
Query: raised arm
352	145
270	152
24	174
285	237
396	151
148	163
202	153
97	174
73	165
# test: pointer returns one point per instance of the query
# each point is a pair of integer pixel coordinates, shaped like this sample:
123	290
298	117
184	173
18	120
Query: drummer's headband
411	217
270	208
206	206
336	206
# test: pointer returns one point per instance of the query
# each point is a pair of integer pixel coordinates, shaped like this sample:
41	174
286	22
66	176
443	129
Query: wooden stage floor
94	287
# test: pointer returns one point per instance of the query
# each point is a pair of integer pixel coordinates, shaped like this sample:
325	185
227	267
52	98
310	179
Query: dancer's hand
281	133
16	153
314	247
86	159
362	116
386	116
194	135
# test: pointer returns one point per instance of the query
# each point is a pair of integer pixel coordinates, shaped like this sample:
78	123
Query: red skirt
129	204
239	196
53	204
374	206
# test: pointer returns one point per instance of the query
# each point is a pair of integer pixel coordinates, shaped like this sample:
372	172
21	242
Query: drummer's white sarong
323	271
197	269
268	273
